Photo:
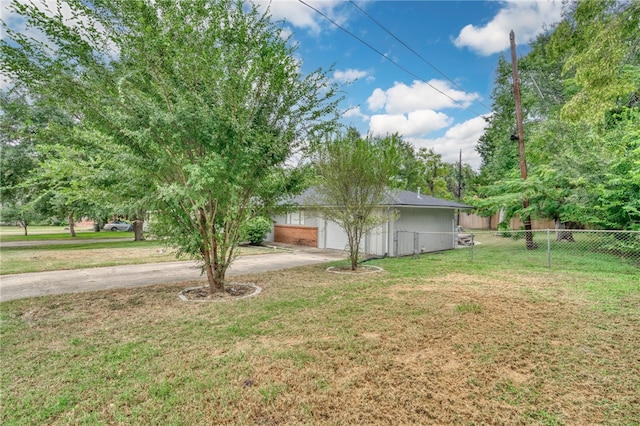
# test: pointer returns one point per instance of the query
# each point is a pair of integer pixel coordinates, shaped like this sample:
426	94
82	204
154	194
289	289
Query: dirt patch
232	291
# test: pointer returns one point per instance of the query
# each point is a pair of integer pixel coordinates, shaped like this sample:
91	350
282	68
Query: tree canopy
355	176
205	94
580	98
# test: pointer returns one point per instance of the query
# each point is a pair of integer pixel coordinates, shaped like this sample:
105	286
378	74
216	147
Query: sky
422	69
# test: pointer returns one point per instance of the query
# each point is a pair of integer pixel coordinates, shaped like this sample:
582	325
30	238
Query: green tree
18	158
618	193
575	81
434	173
27	124
498	151
55	168
355	177
598	44
425	170
207	96
410	173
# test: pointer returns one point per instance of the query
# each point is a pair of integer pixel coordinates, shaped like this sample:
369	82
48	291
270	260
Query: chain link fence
550	248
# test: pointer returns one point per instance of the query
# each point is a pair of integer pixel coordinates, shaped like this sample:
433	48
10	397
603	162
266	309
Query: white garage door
336	237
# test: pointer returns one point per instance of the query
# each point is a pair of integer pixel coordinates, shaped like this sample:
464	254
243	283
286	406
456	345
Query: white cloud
415	123
377	100
299	15
349	75
355	112
463	136
435	94
526	18
286	33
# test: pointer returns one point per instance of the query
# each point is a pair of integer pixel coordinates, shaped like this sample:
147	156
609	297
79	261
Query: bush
257	228
503	230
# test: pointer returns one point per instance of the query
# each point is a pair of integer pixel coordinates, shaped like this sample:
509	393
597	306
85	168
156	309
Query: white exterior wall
436	224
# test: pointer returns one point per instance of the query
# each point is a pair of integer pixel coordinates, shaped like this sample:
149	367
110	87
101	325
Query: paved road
19	286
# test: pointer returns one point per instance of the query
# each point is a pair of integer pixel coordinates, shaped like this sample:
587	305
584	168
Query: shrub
257	228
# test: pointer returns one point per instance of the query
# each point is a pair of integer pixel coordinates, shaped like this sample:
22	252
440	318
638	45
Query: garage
296	234
420	222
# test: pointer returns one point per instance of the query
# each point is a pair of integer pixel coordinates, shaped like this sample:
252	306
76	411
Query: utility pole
459	185
460	177
531	245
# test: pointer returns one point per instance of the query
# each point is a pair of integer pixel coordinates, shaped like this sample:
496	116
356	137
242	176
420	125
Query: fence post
548	248
416	242
472	245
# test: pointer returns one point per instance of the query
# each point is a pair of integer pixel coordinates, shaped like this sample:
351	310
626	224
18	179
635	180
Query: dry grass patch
319	348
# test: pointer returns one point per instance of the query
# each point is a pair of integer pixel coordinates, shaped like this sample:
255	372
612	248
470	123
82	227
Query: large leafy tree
424	170
498	152
355	177
618	192
434	173
598	44
206	94
18	157
26	124
53	168
579	88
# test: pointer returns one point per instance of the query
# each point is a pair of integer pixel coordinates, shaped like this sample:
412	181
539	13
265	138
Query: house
421	223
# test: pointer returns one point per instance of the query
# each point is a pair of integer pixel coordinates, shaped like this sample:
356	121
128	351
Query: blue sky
457	44
439	97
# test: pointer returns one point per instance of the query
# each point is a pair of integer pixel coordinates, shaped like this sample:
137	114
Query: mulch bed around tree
232	291
361	269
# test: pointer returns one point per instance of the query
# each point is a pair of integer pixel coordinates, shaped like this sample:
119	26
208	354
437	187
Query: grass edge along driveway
90	254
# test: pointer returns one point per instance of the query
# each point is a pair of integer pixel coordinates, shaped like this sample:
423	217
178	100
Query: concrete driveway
19	286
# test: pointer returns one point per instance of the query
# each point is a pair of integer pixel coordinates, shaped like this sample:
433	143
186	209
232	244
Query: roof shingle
402	198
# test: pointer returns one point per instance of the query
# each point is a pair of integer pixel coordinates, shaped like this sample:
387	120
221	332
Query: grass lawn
15	233
432	340
90	254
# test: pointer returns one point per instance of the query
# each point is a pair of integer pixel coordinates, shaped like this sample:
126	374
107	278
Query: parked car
118	225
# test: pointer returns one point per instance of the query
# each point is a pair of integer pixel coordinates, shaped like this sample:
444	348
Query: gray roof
399	199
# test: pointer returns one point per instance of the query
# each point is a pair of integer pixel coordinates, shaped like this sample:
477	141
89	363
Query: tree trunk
138	229
215	278
23	225
72	226
562	235
354	261
354	248
214	270
528	233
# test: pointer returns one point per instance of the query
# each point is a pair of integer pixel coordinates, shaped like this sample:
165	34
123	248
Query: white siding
335	237
376	241
434	225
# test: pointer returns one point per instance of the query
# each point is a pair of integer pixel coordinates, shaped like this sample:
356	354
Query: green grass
469	308
65	236
17	260
79	254
432	340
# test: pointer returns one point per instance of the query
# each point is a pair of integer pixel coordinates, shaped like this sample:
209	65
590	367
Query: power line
386	57
410	49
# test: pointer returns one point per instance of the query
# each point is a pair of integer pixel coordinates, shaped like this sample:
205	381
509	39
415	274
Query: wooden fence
473	221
